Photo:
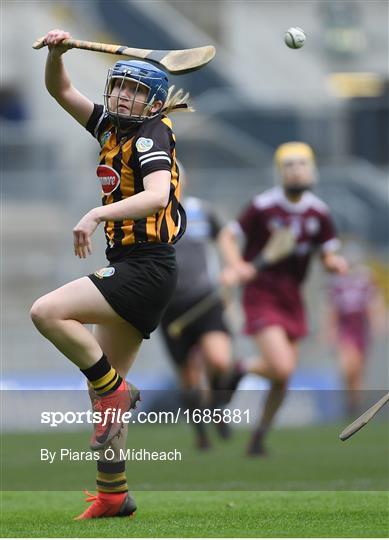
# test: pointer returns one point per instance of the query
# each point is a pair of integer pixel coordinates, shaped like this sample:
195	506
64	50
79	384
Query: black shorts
211	321
140	285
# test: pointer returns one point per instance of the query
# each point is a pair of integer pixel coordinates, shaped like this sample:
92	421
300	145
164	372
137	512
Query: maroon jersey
310	221
277	288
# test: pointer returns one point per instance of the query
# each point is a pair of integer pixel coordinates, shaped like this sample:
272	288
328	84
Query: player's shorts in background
211	321
353	329
264	308
139	286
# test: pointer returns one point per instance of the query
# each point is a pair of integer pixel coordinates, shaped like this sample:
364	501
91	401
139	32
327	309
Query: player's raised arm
58	82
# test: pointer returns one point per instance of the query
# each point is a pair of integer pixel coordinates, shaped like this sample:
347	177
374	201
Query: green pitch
204	514
300	490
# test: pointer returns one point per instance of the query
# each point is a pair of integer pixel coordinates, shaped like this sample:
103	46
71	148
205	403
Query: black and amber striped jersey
124	161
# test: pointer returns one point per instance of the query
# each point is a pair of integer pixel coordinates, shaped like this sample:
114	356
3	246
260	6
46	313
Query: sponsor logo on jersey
108	177
105	272
143	144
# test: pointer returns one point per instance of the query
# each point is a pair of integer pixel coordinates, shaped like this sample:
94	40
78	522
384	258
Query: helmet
146	76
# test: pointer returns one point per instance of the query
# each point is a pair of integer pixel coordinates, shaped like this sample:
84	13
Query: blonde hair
291	149
177	101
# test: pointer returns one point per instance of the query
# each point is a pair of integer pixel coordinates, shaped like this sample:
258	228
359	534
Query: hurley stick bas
280	245
176	327
176	61
363	419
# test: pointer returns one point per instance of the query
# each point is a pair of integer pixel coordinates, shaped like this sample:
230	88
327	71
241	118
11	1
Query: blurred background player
202	351
272	301
356	314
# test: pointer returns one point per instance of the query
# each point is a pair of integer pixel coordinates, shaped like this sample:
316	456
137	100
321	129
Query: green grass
204	514
310	485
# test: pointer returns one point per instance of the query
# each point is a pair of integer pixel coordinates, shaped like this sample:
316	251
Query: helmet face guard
144	77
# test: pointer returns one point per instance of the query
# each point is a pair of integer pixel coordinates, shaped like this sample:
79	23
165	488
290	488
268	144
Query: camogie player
142	218
272	301
203	350
356	314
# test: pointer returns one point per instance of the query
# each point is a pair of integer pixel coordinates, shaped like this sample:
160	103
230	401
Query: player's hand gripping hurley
178	61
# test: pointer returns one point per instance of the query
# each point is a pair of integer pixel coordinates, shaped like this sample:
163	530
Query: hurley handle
94	46
177	61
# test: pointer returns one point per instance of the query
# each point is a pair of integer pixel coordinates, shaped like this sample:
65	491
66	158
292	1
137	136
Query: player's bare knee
42	313
283	372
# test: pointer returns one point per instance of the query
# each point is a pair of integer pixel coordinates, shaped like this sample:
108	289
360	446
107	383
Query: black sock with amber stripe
103	377
111	477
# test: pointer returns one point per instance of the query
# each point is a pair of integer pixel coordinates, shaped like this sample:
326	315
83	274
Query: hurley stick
179	61
363	419
176	327
280	245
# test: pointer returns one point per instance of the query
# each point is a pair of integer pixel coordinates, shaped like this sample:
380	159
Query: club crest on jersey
143	144
108	177
105	272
